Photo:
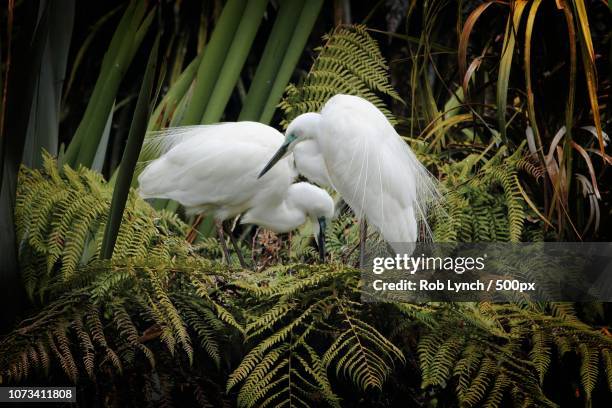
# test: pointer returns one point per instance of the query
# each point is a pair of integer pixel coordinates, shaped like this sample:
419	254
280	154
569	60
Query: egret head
304	127
317	205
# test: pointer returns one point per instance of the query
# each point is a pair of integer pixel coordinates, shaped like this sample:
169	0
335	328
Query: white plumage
310	164
213	169
368	163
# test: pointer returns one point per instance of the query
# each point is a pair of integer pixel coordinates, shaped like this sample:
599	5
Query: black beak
321	240
280	153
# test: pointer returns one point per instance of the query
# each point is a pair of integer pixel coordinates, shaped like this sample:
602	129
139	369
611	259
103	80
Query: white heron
368	163
214	169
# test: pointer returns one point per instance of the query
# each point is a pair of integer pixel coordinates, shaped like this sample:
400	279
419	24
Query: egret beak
321	238
280	153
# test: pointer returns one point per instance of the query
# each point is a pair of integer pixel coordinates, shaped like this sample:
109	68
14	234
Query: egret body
214	169
367	162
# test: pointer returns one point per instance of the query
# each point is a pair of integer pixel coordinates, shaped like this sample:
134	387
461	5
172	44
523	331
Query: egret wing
159	142
217	168
374	169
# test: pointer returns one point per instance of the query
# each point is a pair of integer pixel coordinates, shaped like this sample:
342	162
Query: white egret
214	169
368	163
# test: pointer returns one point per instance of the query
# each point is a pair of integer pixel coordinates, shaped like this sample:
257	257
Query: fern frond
361	353
349	62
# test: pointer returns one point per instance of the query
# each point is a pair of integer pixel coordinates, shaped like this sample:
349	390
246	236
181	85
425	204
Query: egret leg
237	249
193	231
363	234
253	249
221	237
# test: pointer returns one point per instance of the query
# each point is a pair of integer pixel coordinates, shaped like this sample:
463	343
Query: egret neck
281	217
304	127
302	202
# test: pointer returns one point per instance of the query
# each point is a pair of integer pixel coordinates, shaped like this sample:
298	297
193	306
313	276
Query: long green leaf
130	155
43	125
212	60
588	61
236	57
95	129
111	54
296	46
505	65
27	59
175	94
98	162
90	130
286	20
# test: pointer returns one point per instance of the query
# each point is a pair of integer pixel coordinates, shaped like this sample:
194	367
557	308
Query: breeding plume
214	170
367	162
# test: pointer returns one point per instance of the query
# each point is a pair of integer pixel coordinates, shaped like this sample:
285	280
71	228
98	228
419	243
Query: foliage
99	317
485	203
303	326
489	352
504	77
168	310
349	62
130	33
163	321
132	150
95	311
60	221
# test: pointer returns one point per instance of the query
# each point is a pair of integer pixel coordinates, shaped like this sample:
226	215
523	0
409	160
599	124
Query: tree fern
293	318
349	62
100	316
475	209
61	218
298	329
488	360
361	352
